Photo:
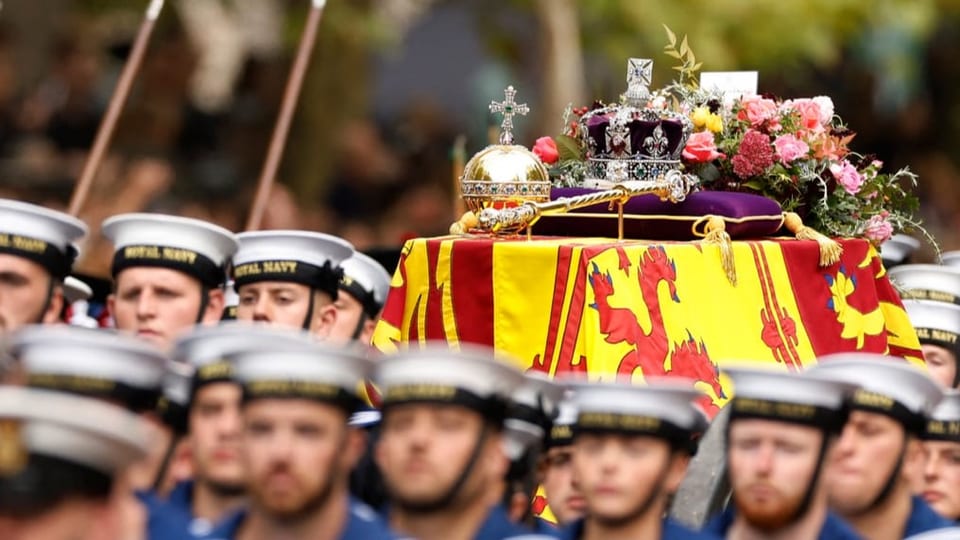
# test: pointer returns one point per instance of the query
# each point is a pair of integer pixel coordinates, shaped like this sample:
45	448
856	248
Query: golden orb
504	175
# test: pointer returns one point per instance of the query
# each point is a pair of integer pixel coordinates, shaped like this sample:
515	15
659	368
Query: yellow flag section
632	310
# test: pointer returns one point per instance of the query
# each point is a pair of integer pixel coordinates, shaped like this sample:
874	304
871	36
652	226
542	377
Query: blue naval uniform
362	524
834	528
173	519
671	531
497	526
922	519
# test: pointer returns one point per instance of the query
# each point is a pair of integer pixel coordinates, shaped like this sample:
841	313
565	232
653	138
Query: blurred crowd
169	155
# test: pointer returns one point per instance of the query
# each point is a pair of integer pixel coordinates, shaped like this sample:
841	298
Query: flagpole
281	131
109	123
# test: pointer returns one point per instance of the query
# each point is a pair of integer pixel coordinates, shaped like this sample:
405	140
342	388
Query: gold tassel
830	250
716	234
466	222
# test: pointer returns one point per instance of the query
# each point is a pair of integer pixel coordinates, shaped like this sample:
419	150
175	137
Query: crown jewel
639	139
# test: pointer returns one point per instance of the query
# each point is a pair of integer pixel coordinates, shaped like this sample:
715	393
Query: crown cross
639	77
508	108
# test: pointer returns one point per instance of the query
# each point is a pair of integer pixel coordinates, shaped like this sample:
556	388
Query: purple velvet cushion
647	217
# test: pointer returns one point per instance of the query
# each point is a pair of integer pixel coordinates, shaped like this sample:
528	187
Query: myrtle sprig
689	66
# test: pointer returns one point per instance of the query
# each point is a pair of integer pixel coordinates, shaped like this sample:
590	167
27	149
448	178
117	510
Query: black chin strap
891	480
309	318
359	329
812	486
448	498
204	302
47	300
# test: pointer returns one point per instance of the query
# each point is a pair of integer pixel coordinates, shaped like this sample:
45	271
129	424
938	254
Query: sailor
530	414
781	428
441	442
869	476
363	290
77	295
941	449
116	368
289	278
36	254
297	447
898	250
555	470
208	403
927	282
61	458
632	445
938	327
168	272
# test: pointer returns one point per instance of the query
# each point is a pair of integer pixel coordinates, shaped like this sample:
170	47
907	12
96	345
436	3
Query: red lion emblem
651	349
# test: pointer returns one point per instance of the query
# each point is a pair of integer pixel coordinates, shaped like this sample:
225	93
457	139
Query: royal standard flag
633	309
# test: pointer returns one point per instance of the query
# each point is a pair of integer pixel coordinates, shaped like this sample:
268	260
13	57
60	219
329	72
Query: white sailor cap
928	282
175	395
530	412
313	371
898	249
209	348
71	430
192	246
799	398
39	234
663	408
74	290
944	421
888	385
561	432
951	258
230	302
93	362
475	377
937	323
309	258
367	281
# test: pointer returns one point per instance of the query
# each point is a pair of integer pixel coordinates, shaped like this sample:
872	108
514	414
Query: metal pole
281	132
117	101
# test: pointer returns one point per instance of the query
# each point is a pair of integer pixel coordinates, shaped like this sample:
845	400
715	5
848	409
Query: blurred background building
393	83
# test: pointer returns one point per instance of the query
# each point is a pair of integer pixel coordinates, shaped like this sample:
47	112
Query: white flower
826	109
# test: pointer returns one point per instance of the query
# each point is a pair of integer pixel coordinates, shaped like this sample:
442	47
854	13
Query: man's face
423	450
23	290
863	460
159	304
771	467
618	474
941	477
286	304
565	499
215	428
941	362
296	453
349	316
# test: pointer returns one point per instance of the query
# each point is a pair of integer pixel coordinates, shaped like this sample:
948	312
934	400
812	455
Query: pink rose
701	148
546	149
878	229
809	111
847	176
790	148
758	110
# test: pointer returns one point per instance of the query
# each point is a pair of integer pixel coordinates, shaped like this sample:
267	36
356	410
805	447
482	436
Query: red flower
546	149
755	155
